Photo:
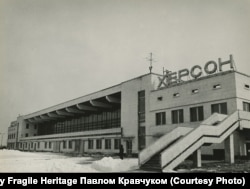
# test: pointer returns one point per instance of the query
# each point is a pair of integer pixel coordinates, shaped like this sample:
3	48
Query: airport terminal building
137	112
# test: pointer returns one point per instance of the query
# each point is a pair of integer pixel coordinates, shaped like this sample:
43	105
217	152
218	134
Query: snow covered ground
17	161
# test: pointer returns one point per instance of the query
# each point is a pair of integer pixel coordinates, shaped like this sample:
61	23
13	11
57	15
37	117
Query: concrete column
229	149
197	158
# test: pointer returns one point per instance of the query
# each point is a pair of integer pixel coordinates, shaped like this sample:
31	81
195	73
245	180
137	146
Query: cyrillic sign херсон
174	77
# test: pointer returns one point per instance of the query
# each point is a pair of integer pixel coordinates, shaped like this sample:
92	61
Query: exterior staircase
149	155
174	147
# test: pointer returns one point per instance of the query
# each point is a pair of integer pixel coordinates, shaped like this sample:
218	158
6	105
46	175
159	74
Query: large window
107	143
96	121
90	144
219	108
98	143
196	114
117	143
177	116
160	118
141	106
246	106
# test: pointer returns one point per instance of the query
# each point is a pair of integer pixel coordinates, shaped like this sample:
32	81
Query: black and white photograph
124	86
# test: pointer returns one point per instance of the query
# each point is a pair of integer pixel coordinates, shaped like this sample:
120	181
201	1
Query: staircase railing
179	151
162	143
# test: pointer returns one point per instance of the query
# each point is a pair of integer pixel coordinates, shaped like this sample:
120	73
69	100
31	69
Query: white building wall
206	92
242	92
12	136
129	106
243	95
206	96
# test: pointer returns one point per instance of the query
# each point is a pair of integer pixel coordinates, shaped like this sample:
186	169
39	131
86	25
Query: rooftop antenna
150	59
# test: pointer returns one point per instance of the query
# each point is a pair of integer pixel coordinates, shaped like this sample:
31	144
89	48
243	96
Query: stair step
152	164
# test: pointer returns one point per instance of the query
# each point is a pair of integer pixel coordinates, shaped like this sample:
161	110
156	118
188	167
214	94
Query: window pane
174	117
163	118
141	107
193	114
70	144
107	143
220	108
142	117
223	108
90	144
141	93
215	108
157	118
181	117
200	113
98	144
246	106
117	143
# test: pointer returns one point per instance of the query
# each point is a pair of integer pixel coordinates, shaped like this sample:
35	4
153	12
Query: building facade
12	140
137	112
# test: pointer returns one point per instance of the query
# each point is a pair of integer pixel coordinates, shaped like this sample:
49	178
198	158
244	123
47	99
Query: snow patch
108	164
19	161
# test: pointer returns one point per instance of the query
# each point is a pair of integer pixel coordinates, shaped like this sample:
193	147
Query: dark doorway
129	147
219	154
248	150
79	146
141	138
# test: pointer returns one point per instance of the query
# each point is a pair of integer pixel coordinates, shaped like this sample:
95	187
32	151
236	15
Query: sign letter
162	81
226	62
214	67
172	78
197	74
183	73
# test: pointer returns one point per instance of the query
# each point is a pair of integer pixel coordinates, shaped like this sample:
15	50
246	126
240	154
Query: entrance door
248	150
56	146
129	147
35	147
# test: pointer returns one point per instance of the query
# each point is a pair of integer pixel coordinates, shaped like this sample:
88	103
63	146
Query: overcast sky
52	51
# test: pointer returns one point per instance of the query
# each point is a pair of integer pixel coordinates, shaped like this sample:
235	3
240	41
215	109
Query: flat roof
91	96
201	78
